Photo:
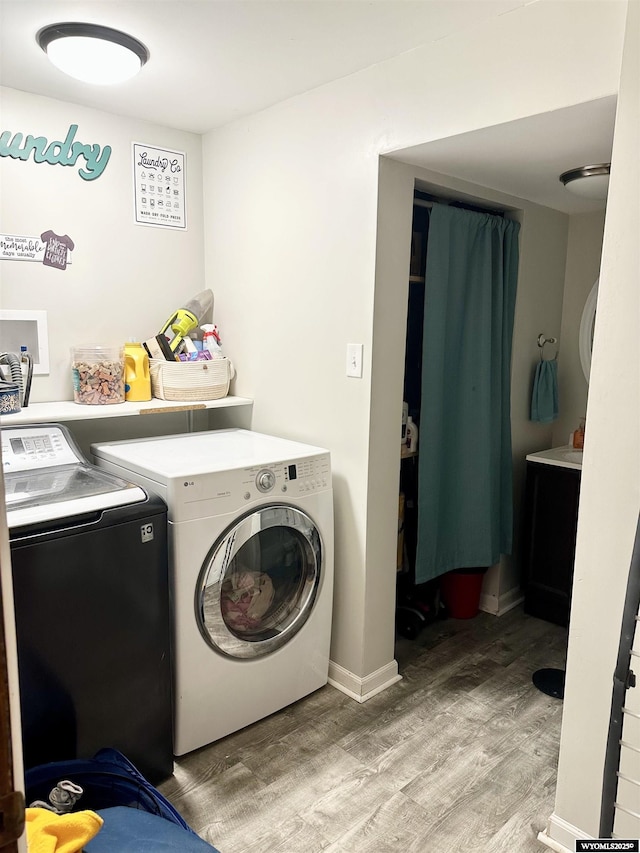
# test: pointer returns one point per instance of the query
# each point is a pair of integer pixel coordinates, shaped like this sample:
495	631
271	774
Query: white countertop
565	457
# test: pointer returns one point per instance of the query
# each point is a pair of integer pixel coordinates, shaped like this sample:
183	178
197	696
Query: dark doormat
550	681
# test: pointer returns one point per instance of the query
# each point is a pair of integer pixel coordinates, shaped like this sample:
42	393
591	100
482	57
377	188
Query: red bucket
461	590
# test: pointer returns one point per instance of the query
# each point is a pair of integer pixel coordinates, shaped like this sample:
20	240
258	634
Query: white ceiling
213	61
525	158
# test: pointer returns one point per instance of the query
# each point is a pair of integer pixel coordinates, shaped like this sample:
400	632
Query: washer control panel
33	448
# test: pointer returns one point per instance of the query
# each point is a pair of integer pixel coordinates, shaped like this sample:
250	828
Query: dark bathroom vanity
552	490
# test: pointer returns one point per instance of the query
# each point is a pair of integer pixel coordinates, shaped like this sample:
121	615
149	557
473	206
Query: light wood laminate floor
459	756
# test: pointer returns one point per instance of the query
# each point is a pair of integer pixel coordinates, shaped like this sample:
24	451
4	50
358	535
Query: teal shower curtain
465	513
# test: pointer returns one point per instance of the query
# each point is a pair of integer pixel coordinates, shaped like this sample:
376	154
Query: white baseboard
362	689
489	603
543	838
498	606
561	835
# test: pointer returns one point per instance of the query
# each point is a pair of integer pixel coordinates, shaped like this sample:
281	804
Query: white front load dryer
250	520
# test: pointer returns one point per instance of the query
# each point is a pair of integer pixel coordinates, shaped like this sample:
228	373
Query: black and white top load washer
90	580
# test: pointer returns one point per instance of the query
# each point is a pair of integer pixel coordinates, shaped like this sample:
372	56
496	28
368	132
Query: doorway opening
421	603
560	257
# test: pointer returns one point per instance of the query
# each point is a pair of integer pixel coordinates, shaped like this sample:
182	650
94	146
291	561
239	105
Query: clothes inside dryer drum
260	582
246	598
258	600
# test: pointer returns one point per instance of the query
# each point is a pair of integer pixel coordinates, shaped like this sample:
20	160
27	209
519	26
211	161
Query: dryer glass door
259	582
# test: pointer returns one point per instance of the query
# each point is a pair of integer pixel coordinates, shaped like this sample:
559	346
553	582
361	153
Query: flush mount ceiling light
92	53
588	181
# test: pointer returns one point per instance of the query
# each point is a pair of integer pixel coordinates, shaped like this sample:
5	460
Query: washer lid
53	493
188	454
46	477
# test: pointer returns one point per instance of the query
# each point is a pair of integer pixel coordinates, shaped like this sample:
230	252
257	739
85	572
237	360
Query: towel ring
541	343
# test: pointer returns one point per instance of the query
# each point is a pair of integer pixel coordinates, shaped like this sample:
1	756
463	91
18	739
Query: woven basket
190	380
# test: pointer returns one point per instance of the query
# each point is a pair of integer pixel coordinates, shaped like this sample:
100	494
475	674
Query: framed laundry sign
159	180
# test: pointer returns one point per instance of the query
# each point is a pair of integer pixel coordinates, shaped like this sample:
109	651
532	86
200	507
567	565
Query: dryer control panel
221	492
293	478
308	475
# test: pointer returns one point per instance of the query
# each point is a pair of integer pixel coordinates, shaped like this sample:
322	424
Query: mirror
587	323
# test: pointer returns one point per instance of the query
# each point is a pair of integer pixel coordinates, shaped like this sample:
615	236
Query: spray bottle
211	340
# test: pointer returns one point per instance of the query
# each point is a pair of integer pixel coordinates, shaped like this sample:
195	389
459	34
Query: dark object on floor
109	779
414	612
132	831
410	621
550	681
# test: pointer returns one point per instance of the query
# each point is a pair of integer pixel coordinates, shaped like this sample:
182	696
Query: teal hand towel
544	399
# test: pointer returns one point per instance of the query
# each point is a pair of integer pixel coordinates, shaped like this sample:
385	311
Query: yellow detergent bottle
137	382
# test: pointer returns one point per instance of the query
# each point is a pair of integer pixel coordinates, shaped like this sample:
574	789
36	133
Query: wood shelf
67	410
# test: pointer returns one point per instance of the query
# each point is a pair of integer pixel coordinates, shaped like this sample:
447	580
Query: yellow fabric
48	832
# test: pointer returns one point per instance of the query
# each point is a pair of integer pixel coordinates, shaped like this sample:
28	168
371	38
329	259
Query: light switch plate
354	360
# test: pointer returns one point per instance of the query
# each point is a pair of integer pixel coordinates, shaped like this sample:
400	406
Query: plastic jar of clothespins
97	372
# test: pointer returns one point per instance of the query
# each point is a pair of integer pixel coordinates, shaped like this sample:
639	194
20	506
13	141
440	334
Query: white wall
583	266
543	247
125	279
291	213
610	490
